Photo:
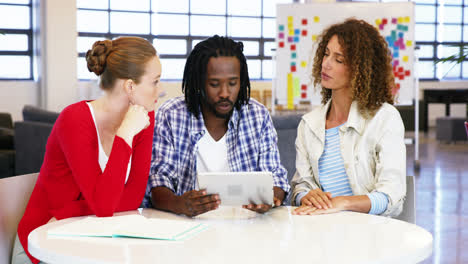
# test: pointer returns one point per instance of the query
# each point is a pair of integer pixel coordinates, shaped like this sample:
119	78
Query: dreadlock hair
194	81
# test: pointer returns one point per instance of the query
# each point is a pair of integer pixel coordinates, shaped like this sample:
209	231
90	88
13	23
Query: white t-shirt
211	154
102	157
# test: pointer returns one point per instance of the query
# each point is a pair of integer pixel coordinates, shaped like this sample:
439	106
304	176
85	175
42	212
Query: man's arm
191	203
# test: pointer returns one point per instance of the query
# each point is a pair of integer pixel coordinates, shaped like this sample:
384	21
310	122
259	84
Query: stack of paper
136	226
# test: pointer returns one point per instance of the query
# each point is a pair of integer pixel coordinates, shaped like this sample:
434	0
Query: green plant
456	58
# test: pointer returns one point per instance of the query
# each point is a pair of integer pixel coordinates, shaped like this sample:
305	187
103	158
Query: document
135	226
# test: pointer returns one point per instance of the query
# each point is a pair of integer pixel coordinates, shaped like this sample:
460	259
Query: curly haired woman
350	151
98	154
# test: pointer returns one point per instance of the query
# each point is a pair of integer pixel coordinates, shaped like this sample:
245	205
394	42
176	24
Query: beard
211	106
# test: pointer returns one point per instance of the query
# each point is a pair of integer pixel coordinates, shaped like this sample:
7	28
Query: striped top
333	177
332	173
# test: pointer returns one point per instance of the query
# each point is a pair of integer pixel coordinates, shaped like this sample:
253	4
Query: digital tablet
239	188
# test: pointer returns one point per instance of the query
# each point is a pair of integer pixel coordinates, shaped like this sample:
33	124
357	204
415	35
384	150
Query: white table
275	237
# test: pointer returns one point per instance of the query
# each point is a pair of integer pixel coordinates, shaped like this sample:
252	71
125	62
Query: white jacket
373	150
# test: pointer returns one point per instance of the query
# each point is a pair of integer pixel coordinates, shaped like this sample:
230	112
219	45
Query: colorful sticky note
396	55
400	20
290	25
402	27
293	47
409	43
303	64
281	35
395	64
281	27
304	32
405	58
293	68
290	101
290	18
297	32
400	35
291	32
407	19
290	39
304	87
400	69
303	95
378	21
281	44
394	20
407	73
401	77
381	26
314	37
296	39
316	19
304	21
293	63
297	86
394	38
384	21
293	55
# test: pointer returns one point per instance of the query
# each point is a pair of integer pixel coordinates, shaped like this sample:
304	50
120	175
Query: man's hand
318	199
339	204
193	203
278	197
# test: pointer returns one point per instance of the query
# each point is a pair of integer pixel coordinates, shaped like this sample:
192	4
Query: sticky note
290	39
293	63
409	43
293	68
293	55
291	32
395	63
396	55
400	35
407	73
281	27
290	101
400	69
293	47
303	95
304	87
405	58
407	19
400	20
297	87
304	21
394	38
394	20
384	21
304	32
381	26
378	21
296	39
281	35
314	37
281	44
297	32
303	64
290	19
316	19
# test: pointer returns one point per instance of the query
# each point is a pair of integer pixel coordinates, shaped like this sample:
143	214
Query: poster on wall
299	27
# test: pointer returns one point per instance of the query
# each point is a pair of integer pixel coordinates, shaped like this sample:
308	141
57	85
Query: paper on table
136	226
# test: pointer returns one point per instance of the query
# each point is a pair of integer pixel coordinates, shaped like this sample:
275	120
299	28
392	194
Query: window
440	25
16	40
176	26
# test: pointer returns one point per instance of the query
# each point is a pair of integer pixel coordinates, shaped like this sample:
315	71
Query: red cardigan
71	182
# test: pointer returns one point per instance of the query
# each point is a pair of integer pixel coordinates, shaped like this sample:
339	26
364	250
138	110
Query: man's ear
128	86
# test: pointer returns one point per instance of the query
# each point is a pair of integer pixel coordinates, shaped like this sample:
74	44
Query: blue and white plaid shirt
251	141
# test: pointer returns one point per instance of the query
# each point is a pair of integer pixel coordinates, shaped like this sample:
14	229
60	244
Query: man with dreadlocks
214	127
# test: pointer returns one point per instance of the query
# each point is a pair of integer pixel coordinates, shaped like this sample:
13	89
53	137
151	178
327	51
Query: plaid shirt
251	141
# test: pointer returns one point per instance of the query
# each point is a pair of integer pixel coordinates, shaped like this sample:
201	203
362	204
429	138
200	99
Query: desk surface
275	237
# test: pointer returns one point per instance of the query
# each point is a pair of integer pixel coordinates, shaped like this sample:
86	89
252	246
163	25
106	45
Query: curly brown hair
368	59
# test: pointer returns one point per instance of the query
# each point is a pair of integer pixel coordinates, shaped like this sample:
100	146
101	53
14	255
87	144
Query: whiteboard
298	28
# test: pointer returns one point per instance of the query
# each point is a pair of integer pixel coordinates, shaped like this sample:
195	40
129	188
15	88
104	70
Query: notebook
239	188
135	226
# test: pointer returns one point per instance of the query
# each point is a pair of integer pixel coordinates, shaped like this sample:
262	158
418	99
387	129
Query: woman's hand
318	199
136	119
338	204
